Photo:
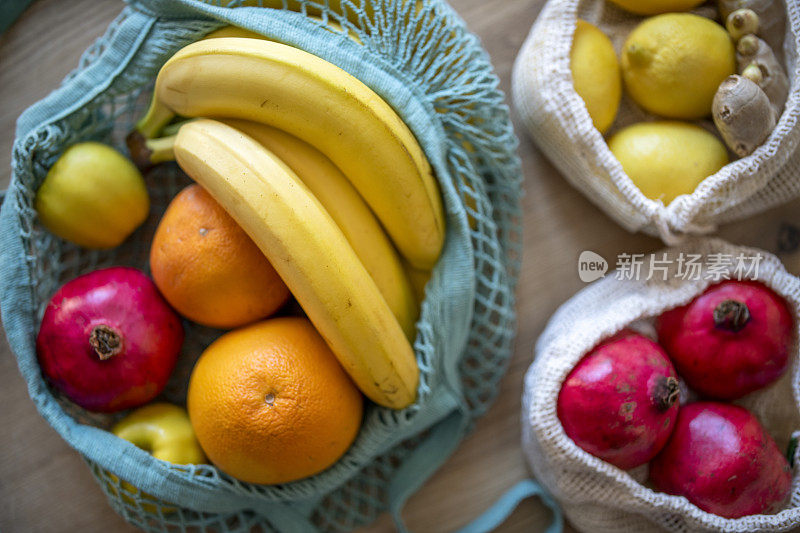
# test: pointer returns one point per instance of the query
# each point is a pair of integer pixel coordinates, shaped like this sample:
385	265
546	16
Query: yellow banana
350	213
136	145
419	280
309	251
157	118
341	201
318	102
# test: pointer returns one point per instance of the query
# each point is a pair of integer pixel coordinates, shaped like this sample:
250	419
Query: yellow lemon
595	74
654	7
672	64
93	196
666	159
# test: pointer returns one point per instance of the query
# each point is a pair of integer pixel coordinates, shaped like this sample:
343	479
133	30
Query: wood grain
45	486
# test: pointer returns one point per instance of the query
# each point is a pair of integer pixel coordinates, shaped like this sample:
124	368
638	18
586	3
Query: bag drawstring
505	505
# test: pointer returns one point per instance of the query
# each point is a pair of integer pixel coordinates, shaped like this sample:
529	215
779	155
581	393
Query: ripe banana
309	251
314	100
152	126
419	280
158	120
350	213
341	201
158	125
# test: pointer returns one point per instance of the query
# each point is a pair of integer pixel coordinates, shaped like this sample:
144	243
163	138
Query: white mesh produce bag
596	496
557	119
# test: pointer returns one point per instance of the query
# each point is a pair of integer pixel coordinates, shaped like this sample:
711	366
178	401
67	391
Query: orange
207	267
269	402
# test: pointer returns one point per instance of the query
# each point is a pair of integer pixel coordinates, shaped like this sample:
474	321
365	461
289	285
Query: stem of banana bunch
157	117
148	152
161	150
150	126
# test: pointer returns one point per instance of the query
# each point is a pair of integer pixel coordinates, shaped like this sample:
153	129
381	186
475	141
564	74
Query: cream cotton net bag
597	497
557	119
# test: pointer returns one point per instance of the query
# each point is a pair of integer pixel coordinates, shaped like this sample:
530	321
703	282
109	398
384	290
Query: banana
152	125
350	213
419	280
158	120
159	150
309	251
318	102
341	201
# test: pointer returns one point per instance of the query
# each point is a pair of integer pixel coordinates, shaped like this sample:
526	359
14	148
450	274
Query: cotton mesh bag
557	119
595	496
419	57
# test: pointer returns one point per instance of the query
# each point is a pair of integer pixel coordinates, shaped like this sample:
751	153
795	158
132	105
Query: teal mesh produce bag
421	59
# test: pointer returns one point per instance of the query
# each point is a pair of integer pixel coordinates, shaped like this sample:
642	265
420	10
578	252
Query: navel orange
269	402
207	267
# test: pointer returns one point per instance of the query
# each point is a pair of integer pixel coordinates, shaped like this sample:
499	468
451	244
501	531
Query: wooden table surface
44	484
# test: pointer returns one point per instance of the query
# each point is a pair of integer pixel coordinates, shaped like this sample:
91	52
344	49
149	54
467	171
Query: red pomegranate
108	340
619	403
721	458
729	341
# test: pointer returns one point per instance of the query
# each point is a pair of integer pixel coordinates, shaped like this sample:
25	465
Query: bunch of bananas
325	178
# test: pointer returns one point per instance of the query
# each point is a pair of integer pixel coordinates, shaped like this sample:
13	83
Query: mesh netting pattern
447	94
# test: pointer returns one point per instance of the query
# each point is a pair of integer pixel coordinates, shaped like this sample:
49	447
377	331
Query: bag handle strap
505	505
443	439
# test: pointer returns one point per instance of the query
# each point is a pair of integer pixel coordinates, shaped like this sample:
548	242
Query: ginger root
771	15
742	22
754	74
743	114
750	50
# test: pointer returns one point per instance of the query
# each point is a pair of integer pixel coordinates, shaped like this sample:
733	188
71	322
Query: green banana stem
146	152
161	149
172	129
158	116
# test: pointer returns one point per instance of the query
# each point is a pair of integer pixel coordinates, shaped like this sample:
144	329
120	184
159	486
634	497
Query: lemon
668	158
654	7
672	64
595	74
92	196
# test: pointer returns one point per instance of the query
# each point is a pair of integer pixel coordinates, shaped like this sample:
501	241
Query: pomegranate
721	458
619	403
108	340
731	340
